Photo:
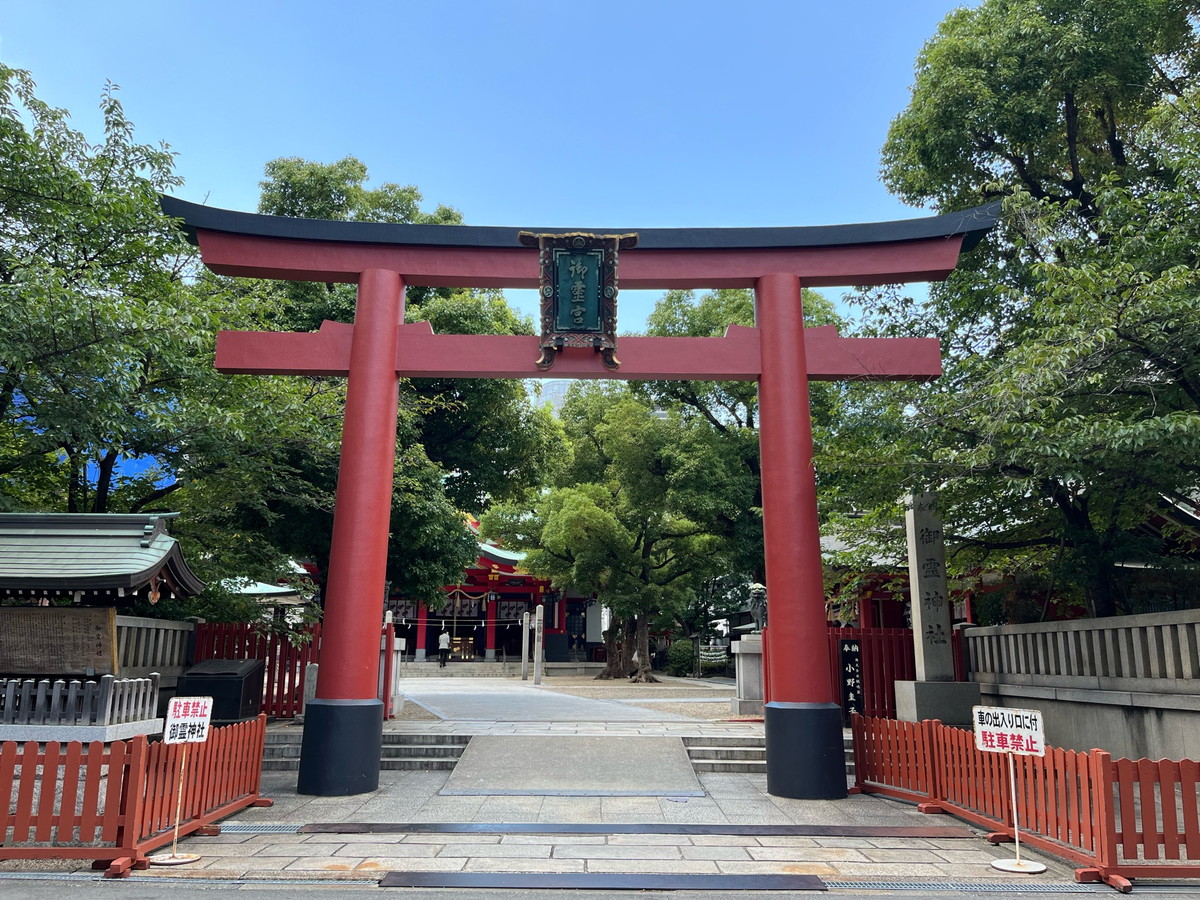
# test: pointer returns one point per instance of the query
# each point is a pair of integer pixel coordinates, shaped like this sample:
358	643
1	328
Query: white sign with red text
188	719
1000	730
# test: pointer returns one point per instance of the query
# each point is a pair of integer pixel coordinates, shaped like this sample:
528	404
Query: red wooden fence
286	663
1118	819
115	804
887	657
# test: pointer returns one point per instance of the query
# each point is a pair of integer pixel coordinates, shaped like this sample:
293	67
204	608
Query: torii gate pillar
805	727
343	727
343	730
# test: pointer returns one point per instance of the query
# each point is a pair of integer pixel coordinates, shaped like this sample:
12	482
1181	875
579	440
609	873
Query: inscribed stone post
539	632
927	588
525	646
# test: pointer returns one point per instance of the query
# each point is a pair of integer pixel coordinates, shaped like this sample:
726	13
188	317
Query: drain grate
233	828
977	887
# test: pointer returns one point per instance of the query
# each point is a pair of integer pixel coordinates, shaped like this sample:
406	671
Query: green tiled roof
65	552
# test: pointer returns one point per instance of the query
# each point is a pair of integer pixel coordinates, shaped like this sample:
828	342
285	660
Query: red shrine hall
483	614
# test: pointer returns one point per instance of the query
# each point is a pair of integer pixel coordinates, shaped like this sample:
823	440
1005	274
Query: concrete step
420	763
746	755
722	742
281	765
745	767
460	669
397	751
296	736
391	737
716	753
281	751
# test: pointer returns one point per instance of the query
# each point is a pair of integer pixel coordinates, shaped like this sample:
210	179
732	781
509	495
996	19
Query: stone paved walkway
267	843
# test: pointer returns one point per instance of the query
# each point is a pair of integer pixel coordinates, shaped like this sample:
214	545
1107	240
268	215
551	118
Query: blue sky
529	113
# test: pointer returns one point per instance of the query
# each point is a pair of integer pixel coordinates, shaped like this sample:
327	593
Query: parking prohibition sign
1001	730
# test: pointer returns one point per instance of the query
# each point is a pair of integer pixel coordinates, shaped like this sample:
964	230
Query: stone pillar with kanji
934	694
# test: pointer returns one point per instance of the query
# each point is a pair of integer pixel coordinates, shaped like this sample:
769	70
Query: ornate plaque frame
586	265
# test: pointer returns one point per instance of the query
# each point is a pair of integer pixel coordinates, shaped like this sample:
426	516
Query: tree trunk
643	674
612	652
1101	593
104	481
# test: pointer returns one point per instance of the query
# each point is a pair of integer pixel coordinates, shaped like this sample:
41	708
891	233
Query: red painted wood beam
257	256
422	354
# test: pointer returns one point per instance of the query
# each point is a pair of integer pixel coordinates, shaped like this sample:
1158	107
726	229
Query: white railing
110	701
1156	652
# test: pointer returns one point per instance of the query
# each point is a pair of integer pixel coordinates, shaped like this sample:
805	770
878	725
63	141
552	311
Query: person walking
443	649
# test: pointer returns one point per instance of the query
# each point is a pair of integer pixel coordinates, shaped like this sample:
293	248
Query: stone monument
934	694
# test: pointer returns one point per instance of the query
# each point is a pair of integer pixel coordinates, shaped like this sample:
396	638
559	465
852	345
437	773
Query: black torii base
339	754
806	756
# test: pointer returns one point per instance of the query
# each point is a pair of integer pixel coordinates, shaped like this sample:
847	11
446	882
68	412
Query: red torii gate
343	727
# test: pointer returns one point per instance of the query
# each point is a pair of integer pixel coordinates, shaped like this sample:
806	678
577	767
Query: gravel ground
713	712
671	695
587	686
647	695
412	711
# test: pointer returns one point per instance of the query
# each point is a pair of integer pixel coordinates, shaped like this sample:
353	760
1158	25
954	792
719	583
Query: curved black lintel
973	224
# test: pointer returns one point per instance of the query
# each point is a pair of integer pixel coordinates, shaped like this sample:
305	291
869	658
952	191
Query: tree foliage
614	527
718	478
461	444
1061	434
108	398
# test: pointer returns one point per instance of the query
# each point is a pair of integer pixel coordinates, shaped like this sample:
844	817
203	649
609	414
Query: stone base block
740	707
948	701
84	733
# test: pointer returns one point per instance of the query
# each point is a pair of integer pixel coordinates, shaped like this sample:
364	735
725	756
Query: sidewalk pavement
511	810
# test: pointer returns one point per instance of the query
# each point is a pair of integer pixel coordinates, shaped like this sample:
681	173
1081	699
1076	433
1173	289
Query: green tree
613	527
1059	434
338	191
108	398
718	477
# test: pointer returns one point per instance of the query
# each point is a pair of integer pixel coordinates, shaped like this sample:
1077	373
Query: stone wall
1127	684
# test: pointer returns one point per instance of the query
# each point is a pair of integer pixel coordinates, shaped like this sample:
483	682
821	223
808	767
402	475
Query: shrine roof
972	224
496	554
57	553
